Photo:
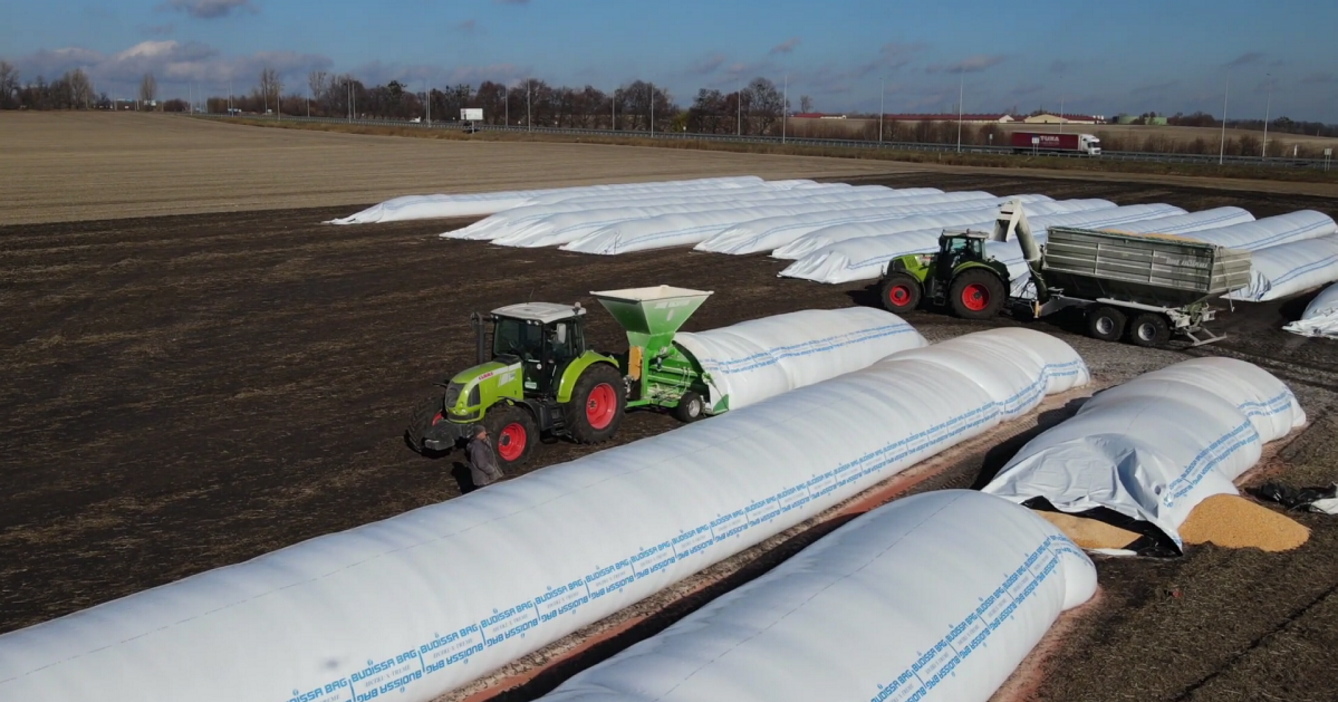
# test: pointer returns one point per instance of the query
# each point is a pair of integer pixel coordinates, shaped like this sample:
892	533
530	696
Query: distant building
1137	119
968	118
1047	118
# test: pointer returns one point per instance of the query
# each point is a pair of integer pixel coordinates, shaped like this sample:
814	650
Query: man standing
483	469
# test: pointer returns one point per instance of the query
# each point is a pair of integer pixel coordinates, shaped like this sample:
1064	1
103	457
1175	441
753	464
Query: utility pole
961	91
529	115
613	110
738	103
882	100
652	108
785	105
1061	115
1267	112
1221	154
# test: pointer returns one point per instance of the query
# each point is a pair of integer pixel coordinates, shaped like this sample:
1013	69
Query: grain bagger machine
538	377
1141	287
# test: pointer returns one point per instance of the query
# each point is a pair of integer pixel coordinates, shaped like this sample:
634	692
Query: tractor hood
474	389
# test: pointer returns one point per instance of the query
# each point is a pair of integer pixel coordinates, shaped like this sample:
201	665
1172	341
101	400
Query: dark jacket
483	468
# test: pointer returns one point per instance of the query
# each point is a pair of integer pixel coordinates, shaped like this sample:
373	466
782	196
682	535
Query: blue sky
1099	58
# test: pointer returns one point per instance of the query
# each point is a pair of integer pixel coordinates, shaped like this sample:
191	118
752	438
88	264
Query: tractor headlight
452	396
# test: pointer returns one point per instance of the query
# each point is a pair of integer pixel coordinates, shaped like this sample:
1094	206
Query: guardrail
1201	159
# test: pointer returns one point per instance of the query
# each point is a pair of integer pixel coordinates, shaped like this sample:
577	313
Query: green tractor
1142	288
960	275
538	377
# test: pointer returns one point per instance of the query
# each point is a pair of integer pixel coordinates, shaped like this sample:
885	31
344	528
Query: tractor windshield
515	337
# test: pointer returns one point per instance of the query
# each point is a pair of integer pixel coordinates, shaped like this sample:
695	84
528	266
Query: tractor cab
958	247
543	337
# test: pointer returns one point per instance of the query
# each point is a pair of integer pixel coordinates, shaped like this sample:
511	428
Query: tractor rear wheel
977	294
1150	330
900	293
514	434
425	415
597	405
690	407
1105	323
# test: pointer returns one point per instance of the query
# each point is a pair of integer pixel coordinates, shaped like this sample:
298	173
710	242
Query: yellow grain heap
1236	522
1090	533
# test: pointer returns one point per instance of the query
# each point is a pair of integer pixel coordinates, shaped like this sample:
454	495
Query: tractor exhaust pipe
480	338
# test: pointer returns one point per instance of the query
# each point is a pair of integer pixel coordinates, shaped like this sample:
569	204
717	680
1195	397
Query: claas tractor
960	275
535	375
1143	288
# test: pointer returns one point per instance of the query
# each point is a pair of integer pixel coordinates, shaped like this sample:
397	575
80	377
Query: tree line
754	109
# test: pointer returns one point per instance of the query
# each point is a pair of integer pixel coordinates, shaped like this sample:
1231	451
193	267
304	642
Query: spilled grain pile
1237	522
1090	533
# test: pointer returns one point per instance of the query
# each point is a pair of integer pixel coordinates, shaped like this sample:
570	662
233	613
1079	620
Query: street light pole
961	91
506	105
652	108
882	103
613	110
785	105
1267	111
529	113
738	104
1061	115
1221	154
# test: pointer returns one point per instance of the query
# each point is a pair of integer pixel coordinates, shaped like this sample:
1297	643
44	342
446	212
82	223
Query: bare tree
148	88
805	103
269	87
765	102
81	89
316	82
9	86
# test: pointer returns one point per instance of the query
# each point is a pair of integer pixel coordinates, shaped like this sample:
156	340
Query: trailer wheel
690	407
977	294
597	405
514	434
1105	323
900	293
1149	330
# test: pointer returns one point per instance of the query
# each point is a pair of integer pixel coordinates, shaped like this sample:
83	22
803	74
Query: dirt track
191	391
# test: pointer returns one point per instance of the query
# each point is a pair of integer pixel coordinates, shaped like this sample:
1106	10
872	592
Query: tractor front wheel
597	405
514	433
977	294
425	415
900	293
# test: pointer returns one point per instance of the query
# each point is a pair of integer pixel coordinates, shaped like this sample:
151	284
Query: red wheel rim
600	406
511	442
975	297
436	418
899	295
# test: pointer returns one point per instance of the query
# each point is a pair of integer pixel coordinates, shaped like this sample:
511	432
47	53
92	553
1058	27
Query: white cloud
972	64
211	9
786	46
175	64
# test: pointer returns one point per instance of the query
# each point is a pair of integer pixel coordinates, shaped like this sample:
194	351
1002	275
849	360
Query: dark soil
188	392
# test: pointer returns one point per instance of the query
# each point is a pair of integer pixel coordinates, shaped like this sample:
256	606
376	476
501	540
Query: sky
847	55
